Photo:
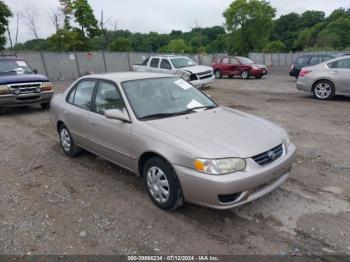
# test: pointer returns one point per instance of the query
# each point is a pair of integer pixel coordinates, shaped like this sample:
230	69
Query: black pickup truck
20	85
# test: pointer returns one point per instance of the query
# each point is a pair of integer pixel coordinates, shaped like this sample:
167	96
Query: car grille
205	77
269	156
26	88
204	73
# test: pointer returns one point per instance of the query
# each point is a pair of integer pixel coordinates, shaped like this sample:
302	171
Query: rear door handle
92	123
65	112
335	72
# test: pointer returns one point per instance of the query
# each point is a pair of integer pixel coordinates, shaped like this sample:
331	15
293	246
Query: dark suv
307	60
20	85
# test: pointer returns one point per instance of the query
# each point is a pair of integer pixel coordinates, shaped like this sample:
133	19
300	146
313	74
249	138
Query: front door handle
65	112
92	123
334	72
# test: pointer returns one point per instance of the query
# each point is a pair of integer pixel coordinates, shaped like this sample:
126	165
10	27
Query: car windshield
181	62
164	97
14	66
245	60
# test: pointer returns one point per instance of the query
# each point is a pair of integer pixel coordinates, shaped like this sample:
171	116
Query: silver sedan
327	79
183	145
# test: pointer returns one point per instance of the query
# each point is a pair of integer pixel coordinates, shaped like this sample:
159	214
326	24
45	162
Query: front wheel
245	74
324	90
162	184
258	76
217	74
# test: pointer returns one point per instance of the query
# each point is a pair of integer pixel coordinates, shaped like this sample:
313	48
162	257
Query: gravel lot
51	204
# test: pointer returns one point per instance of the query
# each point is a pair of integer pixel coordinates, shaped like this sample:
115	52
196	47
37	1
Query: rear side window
154	62
326	58
303	61
315	60
225	60
234	61
82	94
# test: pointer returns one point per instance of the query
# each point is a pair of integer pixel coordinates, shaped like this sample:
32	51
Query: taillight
291	67
304	72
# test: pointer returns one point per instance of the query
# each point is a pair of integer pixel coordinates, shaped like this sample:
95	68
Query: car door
165	66
154	65
341	75
235	66
109	138
225	66
77	111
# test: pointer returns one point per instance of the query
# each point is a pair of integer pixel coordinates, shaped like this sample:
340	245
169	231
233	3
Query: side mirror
117	114
35	71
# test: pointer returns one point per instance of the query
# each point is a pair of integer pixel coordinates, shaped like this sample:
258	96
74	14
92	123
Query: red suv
238	66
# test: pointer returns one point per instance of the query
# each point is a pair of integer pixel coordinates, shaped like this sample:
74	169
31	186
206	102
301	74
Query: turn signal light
4	90
47	86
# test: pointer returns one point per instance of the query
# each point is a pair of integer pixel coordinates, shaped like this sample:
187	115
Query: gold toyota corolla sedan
179	141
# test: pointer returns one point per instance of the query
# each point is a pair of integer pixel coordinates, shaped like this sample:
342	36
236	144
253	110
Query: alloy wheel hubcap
158	184
323	90
244	75
217	74
65	140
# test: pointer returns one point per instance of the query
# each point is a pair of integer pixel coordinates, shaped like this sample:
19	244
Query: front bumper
200	83
13	100
258	72
247	186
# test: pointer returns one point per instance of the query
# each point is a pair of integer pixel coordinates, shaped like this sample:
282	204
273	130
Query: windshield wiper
161	115
199	107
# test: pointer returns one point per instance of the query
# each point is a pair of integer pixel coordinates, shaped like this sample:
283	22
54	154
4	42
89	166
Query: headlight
255	67
46	86
286	141
219	166
4	90
184	75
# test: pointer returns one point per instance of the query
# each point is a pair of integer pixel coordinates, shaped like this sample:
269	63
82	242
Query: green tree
5	14
121	44
287	29
85	17
67	10
251	24
275	47
177	45
310	18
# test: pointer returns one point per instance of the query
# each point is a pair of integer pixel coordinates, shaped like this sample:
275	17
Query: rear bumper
12	100
249	185
304	84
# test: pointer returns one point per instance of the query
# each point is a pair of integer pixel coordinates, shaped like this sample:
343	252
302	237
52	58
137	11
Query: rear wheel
324	90
245	74
67	142
162	184
217	74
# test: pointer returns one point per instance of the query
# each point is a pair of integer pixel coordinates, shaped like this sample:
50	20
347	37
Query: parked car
307	60
20	85
238	66
326	79
199	75
183	145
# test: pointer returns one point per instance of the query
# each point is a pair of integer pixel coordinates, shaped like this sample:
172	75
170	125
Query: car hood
223	132
197	69
21	78
261	66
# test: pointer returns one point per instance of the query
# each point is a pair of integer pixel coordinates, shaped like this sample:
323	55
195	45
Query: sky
159	15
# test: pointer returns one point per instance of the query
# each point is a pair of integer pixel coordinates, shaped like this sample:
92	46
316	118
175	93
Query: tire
217	74
323	90
258	77
245	75
45	105
162	184
67	142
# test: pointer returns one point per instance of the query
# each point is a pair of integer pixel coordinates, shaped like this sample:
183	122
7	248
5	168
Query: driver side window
107	97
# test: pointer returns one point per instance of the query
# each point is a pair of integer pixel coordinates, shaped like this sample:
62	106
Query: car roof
318	55
127	76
